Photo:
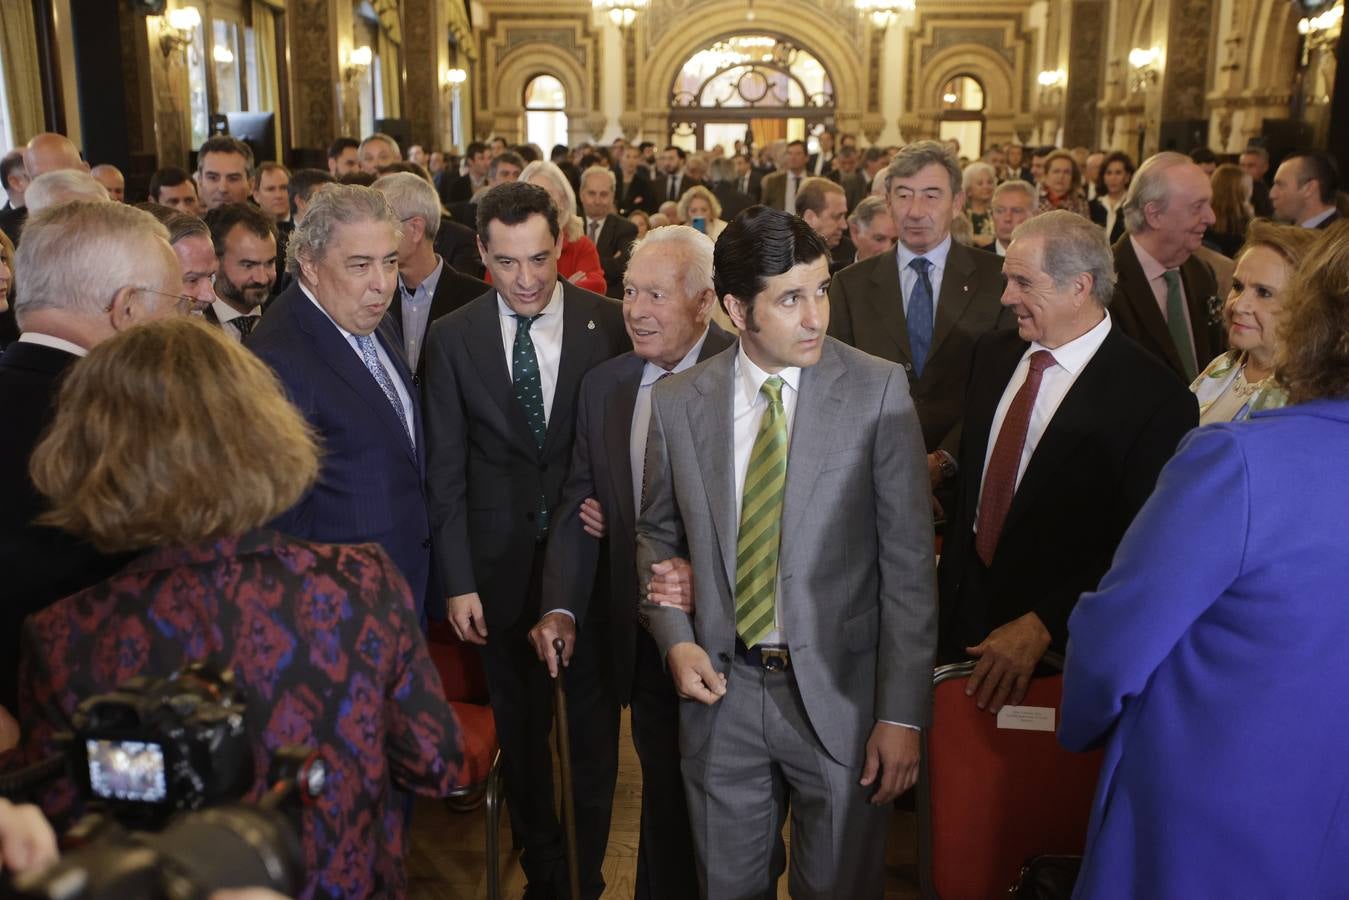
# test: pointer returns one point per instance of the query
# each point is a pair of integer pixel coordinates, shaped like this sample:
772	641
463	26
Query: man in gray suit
790	474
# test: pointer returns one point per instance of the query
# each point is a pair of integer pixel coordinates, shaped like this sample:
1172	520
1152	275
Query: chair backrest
459	665
990	798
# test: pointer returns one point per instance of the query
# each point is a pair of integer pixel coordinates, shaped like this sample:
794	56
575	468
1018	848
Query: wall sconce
358	63
1144	63
883	13
1051	86
1320	31
177	29
622	13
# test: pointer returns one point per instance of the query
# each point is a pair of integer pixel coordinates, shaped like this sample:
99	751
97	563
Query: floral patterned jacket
1218	378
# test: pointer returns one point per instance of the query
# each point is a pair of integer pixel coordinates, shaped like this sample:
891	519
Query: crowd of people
706	418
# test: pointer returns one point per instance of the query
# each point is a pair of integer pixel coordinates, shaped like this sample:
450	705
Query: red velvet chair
465	688
989	799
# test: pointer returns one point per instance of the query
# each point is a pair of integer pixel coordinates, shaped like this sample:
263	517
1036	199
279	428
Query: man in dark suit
503	375
748	180
822	162
246	248
428	286
1067	425
611	234
668	316
14	181
476	160
331	342
924	305
1305	187
1166	298
778	190
634	190
64	308
672	181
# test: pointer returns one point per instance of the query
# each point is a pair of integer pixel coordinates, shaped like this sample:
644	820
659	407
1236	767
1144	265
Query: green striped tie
756	551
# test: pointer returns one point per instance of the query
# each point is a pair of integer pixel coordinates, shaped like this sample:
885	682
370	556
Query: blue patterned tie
529	391
919	315
366	344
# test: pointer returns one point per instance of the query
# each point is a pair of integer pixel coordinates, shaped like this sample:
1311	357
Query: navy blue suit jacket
371	488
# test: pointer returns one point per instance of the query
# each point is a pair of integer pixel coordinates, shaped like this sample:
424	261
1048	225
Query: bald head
112	180
48	152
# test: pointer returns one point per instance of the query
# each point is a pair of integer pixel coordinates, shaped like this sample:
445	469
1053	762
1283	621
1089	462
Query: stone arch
517	68
990	69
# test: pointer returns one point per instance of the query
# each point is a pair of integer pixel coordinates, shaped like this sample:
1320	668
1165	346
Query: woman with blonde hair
8	329
1232	211
979	182
700	203
1242	380
579	262
173	442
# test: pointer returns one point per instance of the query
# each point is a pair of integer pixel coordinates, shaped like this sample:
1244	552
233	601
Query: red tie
1000	478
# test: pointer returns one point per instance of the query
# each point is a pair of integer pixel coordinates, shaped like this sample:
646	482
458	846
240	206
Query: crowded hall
674	449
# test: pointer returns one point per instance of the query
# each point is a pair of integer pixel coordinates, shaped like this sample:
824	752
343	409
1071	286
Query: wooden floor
448	858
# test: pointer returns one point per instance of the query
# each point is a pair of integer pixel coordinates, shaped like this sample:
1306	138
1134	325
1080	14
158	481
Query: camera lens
233	846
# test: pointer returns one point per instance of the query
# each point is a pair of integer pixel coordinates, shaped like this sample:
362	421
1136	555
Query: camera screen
126	770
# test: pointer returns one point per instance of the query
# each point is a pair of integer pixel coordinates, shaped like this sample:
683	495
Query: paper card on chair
1027	718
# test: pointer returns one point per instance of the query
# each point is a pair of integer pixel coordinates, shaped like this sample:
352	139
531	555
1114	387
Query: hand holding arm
671	584
592	518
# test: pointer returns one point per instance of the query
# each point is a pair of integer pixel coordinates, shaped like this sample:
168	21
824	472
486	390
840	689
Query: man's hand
467	618
694	677
671	584
27	842
891	761
9	731
934	474
592	518
553	625
1007	657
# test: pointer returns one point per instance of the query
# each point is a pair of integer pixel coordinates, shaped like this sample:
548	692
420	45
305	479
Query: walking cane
564	758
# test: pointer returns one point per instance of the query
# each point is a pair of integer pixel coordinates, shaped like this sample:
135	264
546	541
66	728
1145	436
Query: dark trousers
522	703
666	867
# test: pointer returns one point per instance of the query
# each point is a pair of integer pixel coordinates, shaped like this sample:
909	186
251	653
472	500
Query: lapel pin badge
591	325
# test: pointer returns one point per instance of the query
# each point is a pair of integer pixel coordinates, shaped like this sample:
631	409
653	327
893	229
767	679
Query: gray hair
411	195
697	248
61	186
721	169
76	256
918	156
1071	245
1017	185
336	204
1150	185
566	214
866	211
974	169
380	136
600	171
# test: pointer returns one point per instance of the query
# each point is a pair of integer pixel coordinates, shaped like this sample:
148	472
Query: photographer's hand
27	842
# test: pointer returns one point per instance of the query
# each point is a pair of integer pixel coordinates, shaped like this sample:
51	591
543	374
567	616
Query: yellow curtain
766	131
264	41
18	55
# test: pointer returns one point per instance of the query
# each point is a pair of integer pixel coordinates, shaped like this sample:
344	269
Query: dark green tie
756	551
529	391
1176	316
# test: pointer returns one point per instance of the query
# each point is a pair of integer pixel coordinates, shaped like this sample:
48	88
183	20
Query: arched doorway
962	114
756	88
545	120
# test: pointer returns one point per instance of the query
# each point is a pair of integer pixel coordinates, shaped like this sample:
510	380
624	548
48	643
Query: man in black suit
672	181
1067	424
924	305
68	301
747	178
1166	298
1305	187
476	160
822	162
14	180
633	190
591	578
611	234
504	167
503	375
428	286
246	247
1254	161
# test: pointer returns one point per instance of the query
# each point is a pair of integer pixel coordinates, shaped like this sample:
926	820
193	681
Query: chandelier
883	13
621	12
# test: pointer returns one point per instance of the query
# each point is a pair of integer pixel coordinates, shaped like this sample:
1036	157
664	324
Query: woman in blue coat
1213	662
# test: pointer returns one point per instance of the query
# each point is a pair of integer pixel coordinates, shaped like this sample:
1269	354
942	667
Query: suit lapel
714	438
483	340
955	296
1143	303
817	408
618	439
887	300
578	342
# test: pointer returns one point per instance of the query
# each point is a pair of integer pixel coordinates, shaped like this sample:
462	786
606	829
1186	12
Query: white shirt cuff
565	612
882	721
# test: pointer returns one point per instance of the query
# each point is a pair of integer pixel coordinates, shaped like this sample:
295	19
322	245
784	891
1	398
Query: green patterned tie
1176	315
529	391
756	551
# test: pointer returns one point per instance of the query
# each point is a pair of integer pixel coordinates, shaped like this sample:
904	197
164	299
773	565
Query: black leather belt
764	656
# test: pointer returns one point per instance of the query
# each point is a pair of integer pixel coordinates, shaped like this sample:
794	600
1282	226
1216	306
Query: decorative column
1086	59
315	71
426	58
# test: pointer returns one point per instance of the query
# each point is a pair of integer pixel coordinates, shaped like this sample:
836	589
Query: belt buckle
774	659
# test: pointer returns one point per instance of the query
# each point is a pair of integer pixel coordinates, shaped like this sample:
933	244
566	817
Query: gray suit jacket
856	600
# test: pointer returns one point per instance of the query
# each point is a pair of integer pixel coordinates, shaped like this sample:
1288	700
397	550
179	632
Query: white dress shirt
1112	211
908	278
404	398
226	314
998	247
1069	361
641	418
546	332
793	185
416	304
55	343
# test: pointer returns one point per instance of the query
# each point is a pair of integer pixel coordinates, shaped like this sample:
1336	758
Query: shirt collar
1318	219
429	283
652	372
750	378
1152	269
55	343
554	305
936	256
1075	354
226	313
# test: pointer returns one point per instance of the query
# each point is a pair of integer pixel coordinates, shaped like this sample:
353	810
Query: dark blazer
453	290
867	311
465	212
371	488
634	193
614	245
661	183
1135	310
601	467
40	565
486	473
732	201
460	188
458	245
754	186
11	221
1099	215
773	188
1331	220
1094	466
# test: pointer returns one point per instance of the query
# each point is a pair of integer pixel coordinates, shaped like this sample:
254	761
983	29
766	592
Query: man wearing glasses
245	245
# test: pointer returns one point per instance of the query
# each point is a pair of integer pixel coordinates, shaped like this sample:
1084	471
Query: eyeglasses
187	306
